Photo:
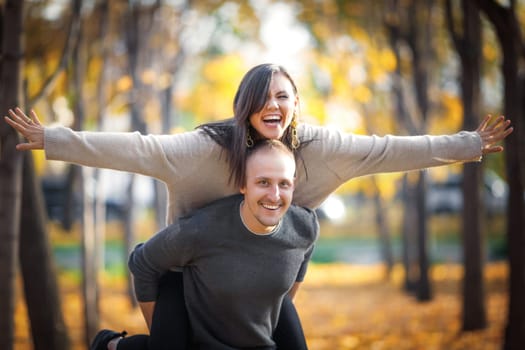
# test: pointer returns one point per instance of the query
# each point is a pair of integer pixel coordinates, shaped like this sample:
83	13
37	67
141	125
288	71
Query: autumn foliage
341	306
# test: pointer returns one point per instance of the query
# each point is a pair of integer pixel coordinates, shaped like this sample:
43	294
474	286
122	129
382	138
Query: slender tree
418	40
467	42
90	287
409	251
508	30
11	25
42	295
409	24
385	242
41	291
138	24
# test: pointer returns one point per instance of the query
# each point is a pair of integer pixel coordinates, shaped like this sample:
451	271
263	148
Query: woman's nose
272	103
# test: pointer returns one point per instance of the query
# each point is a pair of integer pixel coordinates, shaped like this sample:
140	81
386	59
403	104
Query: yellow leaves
148	76
329	8
316	111
341	306
339	274
39	159
349	342
450	117
387	184
362	94
377	314
490	51
212	97
321	29
124	84
387	60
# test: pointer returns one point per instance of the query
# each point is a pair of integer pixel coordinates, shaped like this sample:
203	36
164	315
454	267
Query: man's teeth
271	207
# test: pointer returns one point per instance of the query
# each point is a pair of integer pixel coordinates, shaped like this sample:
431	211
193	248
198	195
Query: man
240	256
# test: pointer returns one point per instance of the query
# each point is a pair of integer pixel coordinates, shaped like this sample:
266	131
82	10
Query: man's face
268	190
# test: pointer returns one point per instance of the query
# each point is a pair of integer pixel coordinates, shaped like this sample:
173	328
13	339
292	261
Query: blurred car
332	209
447	196
115	187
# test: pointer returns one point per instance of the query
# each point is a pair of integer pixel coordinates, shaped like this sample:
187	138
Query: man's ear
242	190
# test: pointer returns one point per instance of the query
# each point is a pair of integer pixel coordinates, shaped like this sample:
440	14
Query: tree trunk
509	36
418	39
103	13
10	164
129	236
423	290
468	47
135	36
90	287
36	258
409	247
409	236
385	242
474	314
161	194
132	45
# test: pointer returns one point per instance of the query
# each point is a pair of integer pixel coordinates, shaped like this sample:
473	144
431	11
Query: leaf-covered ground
341	307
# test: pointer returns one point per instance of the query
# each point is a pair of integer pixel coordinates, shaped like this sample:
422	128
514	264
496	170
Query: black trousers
170	329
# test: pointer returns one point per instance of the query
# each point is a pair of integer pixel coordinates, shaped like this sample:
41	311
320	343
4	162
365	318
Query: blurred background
432	259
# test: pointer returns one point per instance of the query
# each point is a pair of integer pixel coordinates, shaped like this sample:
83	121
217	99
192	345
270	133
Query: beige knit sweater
195	170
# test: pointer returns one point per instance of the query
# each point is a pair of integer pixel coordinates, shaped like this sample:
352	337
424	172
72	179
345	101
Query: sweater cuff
52	141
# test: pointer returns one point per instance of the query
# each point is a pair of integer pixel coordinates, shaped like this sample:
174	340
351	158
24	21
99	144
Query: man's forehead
271	152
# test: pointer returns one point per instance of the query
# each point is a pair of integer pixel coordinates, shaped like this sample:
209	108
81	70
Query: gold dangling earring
293	128
249	140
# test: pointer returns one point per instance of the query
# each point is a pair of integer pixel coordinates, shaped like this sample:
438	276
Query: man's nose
274	193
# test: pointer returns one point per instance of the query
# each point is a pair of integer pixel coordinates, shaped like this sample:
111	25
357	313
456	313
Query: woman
208	163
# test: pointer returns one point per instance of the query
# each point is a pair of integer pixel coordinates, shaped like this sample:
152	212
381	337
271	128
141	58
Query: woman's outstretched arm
166	157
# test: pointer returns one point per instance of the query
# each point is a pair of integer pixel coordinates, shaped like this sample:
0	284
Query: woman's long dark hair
250	98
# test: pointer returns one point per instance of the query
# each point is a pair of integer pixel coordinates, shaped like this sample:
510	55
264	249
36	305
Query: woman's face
273	119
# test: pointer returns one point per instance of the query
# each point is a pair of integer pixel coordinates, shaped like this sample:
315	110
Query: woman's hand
493	133
29	127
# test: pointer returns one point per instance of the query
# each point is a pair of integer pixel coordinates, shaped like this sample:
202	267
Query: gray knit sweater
195	170
234	280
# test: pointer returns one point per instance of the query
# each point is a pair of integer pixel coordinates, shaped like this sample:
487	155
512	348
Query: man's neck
266	229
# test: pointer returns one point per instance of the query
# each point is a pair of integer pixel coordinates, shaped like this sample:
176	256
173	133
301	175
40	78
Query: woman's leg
134	342
170	328
288	334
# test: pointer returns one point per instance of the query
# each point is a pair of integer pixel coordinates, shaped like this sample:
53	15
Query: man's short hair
269	144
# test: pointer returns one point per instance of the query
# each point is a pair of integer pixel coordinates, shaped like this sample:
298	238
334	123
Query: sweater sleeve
159	156
304	266
149	261
349	155
309	228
